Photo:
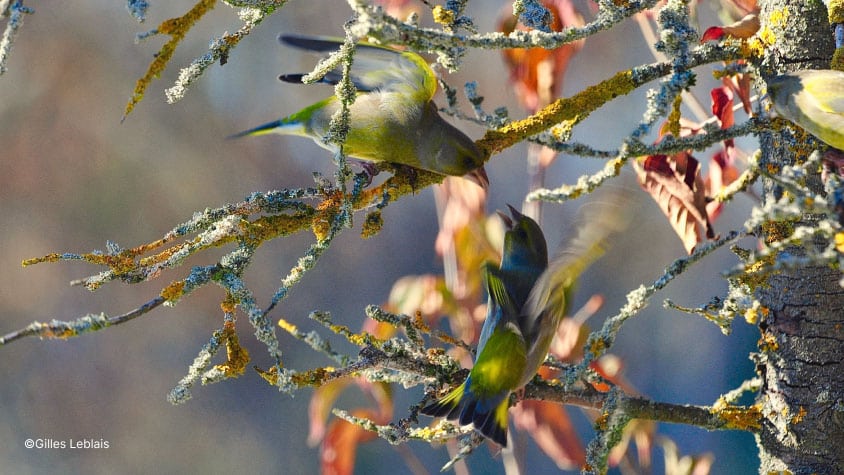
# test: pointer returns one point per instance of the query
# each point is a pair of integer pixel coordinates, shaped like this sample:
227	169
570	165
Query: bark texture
801	358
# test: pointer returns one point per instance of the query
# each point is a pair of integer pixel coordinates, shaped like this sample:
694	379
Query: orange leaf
320	406
536	72
676	186
549	425
339	447
324	396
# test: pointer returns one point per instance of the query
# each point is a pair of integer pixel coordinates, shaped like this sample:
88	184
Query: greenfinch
393	118
814	100
527	299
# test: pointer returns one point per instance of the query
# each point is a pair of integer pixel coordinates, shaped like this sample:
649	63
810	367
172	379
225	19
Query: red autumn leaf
536	73
549	425
713	33
722	105
339	447
676	186
658	163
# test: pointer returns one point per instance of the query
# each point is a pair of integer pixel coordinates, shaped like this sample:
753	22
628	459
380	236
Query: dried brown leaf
676	186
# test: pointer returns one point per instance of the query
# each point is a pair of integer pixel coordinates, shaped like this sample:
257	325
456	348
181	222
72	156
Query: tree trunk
801	359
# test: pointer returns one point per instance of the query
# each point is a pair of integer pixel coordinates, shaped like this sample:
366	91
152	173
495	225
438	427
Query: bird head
524	243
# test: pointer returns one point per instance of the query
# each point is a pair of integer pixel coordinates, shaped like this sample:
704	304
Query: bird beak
478	176
260	130
515	213
508	221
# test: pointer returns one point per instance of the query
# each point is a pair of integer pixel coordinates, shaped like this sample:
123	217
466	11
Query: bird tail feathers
487	415
284	126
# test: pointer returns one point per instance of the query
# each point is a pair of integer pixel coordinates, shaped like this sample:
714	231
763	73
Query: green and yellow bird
527	300
393	118
814	100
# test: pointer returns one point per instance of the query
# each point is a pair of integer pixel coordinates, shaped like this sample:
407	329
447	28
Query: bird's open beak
478	176
508	221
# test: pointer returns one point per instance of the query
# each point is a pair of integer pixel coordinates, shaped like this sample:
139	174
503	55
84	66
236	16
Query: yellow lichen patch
326	213
574	109
288	327
602	421
775	231
837	61
673	123
144	248
229	304
839	241
315	377
754	313
443	16
773	168
752	48
766	36
372	224
270	376
270	227
358	339
562	131
52	257
161	256
236	356
176	28
768	343
446	338
835	10
174	291
801	413
755	275
419	323
597	346
779	17
46	331
739	417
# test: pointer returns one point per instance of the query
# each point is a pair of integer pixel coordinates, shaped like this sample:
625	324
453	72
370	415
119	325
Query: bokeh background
72	177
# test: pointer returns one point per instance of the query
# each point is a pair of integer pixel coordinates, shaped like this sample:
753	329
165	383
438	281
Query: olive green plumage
527	300
393	118
814	100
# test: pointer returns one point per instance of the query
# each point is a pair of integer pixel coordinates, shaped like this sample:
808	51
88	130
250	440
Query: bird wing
500	306
374	68
824	91
550	296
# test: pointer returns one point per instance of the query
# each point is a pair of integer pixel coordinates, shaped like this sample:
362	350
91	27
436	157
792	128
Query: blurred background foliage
73	177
